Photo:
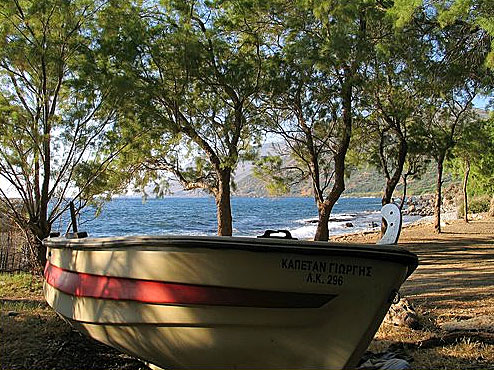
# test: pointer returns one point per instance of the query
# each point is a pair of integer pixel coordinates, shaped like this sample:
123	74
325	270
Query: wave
304	232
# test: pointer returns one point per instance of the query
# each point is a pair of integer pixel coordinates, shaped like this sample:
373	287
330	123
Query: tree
470	148
477	17
457	82
391	101
316	75
196	68
477	146
455	73
444	126
56	106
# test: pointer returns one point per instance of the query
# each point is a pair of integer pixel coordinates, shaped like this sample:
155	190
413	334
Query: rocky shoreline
423	205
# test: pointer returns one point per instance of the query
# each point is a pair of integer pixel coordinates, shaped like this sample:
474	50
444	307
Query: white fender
392	214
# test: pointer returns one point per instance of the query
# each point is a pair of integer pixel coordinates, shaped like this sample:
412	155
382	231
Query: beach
452	291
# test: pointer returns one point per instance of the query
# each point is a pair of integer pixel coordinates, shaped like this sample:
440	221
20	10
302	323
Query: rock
402	314
420	206
348	224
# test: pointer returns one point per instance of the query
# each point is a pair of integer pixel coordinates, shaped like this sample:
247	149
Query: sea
251	216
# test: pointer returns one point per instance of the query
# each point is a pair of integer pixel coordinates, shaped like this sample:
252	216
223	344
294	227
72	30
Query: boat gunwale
390	253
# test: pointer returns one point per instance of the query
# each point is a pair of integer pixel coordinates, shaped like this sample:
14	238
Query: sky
482	101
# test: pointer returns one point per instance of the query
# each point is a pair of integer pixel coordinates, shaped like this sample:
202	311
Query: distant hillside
361	182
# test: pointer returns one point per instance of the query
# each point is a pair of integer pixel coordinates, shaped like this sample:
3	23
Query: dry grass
32	336
454	282
465	354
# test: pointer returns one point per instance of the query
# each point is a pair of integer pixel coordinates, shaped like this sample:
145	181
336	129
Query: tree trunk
41	260
322	231
404	197
465	184
491	208
223	206
438	200
37	256
393	181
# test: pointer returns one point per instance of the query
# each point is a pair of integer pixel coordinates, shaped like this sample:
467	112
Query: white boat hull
226	302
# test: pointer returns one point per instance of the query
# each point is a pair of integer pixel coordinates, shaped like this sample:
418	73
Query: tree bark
41	260
322	231
392	181
404	196
223	205
35	237
438	200
465	184
491	208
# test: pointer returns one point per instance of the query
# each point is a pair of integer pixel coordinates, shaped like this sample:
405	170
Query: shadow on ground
34	338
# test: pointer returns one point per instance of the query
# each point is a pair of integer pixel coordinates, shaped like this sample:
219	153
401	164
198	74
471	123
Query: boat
197	302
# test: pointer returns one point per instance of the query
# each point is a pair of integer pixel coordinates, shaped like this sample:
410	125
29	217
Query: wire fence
14	249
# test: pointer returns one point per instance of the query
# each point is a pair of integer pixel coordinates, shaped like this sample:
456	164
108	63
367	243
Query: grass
23	305
20	285
33	337
465	354
21	293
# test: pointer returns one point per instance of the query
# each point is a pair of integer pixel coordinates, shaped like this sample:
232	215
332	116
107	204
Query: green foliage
475	149
269	169
483	165
476	204
194	73
403	11
57	102
474	16
195	69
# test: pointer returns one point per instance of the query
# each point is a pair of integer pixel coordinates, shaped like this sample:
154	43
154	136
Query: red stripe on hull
158	292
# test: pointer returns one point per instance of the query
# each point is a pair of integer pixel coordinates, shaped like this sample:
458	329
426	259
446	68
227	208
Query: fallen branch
453	338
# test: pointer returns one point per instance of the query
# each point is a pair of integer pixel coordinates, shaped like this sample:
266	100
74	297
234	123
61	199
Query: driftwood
452	338
479	323
402	314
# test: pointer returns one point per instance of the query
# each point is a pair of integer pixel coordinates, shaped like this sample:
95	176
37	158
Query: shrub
476	204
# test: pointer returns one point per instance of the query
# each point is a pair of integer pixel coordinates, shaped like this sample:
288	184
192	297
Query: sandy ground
452	291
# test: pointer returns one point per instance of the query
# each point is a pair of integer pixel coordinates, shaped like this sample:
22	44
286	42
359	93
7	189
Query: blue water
251	216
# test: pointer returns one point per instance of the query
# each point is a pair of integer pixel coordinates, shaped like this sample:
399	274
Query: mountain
361	182
365	181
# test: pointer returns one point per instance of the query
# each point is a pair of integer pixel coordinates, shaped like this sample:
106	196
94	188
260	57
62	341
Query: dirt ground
452	291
